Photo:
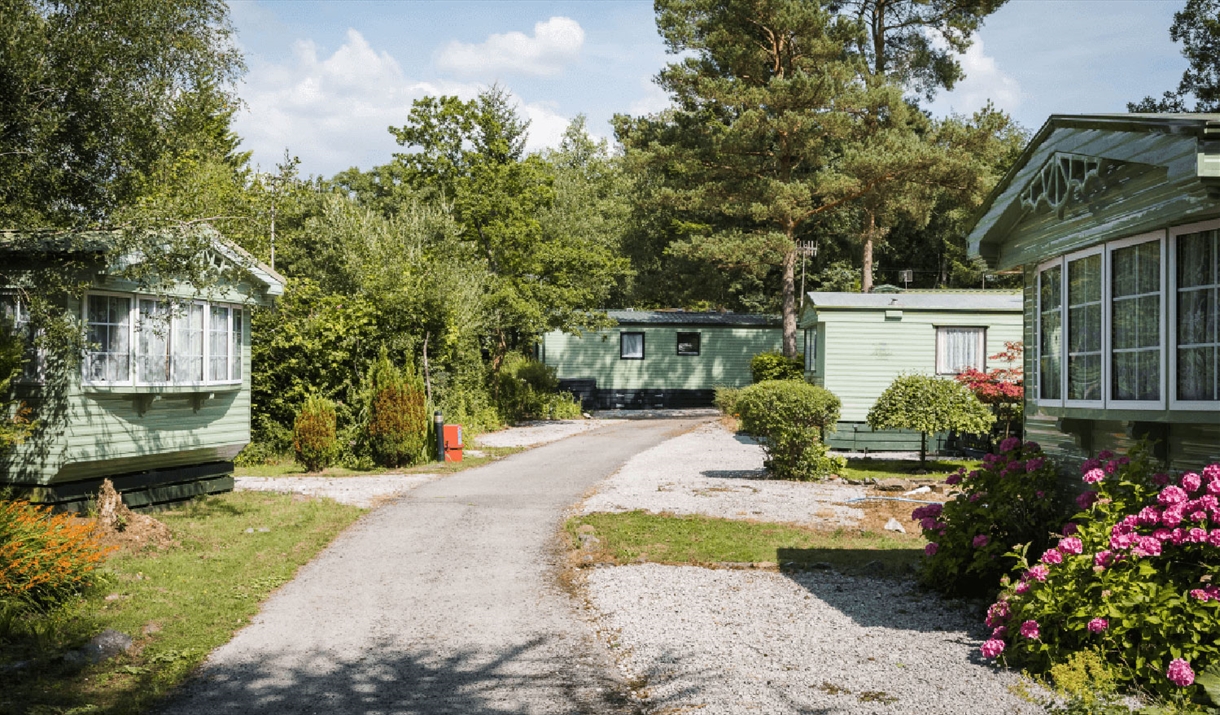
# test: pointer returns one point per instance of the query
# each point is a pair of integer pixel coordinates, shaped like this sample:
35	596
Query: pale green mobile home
1115	222
160	402
669	358
858	343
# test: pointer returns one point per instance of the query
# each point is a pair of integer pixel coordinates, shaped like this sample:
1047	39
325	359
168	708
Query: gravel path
365	492
531	434
446	601
713	472
721	642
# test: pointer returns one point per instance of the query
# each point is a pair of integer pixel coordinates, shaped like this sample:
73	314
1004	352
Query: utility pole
805	248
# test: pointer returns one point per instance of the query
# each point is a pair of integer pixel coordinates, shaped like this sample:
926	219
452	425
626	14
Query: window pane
1197	308
1050	334
632	345
188	344
1195	259
1196	373
108	322
1084	328
218	343
959	349
152	341
1136	322
236	337
688	343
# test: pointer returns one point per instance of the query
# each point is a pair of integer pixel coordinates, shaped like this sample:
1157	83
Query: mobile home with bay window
159	401
1115	222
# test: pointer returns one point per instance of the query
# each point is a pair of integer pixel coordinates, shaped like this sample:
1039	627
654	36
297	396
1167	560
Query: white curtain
632	345
958	349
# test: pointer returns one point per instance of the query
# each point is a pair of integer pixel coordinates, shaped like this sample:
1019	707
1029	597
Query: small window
108	334
959	349
811	350
631	346
688	343
1135	322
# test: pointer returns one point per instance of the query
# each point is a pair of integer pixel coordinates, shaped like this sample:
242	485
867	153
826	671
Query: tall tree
1197	27
909	44
94	95
773	127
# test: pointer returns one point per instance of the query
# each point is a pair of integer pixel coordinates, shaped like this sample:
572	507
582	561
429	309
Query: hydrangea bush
1132	576
1006	502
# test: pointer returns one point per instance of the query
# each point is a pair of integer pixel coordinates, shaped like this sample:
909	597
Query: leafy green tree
1197	27
95	93
929	404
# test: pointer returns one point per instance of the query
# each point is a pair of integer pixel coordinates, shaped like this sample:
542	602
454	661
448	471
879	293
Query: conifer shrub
313	434
775	366
1133	577
527	389
790	418
1007	502
45	559
397	415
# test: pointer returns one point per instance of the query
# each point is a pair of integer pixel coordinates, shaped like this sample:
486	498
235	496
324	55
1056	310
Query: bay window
142	340
1084	328
1135	321
1050	333
1194	312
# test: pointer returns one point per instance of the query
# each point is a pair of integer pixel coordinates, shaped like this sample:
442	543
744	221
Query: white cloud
984	81
333	112
555	43
654	100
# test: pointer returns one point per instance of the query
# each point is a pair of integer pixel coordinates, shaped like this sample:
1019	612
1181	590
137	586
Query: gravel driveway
721	642
713	472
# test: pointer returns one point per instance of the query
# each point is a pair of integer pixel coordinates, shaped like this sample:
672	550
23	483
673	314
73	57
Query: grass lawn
288	467
178	604
869	468
636	536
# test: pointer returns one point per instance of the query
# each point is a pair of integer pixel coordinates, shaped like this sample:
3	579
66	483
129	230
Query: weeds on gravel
286	466
638	536
177	604
862	468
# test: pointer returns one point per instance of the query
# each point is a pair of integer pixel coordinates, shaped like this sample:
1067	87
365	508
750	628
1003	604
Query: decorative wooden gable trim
1060	180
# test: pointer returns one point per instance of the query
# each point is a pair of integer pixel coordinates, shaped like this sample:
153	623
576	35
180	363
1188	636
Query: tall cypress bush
397	414
313	434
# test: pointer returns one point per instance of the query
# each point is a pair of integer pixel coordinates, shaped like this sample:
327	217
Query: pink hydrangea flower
953	479
1111	467
1197	536
1146	546
1103	558
1032	446
1029	629
992	648
1124	461
1200	595
1097	625
927	523
1038	572
931	548
973	473
1172	495
976	497
1086	500
998	613
1089	465
1034	464
1213	538
1070	528
1162	534
999	632
1211	472
1213	487
1021	588
1172	516
1010	444
1160	479
1191	482
1052	556
980	541
1122	542
1149	515
1105	454
1180	673
1094	476
1071	545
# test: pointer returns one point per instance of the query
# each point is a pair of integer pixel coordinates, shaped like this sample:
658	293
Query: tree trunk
790	300
866	275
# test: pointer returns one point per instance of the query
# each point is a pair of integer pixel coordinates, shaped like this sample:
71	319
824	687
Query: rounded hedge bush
774	366
790	418
313	434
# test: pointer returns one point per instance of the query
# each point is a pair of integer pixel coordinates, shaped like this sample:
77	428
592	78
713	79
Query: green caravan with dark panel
160	401
859	343
670	358
1115	222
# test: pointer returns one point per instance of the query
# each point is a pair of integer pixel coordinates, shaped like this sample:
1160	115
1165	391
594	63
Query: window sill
95	389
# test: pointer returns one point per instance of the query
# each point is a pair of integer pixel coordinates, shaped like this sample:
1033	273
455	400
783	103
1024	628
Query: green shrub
929	404
789	418
726	400
774	366
313	434
45	559
1133	578
397	421
1008	501
528	390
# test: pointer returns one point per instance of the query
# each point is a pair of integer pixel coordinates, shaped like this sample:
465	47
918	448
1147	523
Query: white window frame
34	370
1042	268
1100	402
1171	328
811	348
1108	326
982	340
175	311
643	344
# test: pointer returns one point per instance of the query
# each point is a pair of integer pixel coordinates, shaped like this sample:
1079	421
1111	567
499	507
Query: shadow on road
523	679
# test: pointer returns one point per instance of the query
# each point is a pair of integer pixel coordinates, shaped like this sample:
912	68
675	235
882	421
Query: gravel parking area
712	472
365	492
728	641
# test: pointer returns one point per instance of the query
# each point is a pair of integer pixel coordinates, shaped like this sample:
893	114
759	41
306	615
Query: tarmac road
446	601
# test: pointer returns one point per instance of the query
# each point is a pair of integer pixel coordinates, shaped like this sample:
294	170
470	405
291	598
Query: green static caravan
860	342
665	358
159	401
1115	222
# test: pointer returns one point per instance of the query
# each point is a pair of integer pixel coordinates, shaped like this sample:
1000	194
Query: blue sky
326	78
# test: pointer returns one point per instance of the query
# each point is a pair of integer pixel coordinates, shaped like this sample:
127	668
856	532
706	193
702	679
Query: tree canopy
1197	27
